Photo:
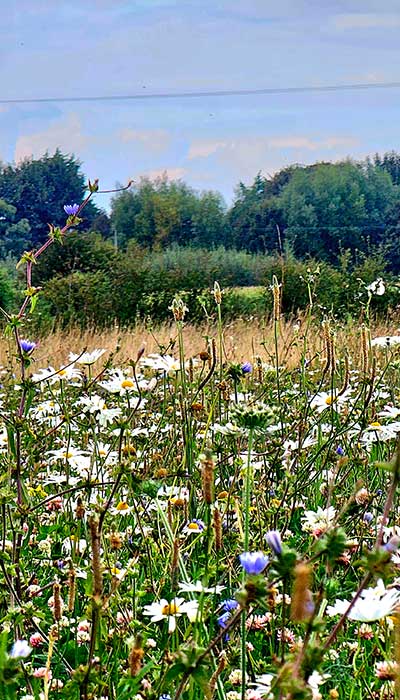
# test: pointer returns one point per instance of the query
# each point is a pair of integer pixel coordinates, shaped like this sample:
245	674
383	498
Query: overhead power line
204	93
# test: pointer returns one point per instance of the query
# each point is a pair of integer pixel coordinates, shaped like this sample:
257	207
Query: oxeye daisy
194	527
197	587
164	610
121	508
372	604
86	358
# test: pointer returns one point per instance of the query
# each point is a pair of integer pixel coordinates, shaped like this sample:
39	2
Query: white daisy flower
197	587
163	610
387	341
373	604
377	287
51	375
327	399
86	358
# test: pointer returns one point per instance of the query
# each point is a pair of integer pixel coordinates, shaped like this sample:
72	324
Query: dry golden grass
243	340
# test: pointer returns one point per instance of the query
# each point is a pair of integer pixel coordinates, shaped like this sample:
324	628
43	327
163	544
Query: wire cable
205	93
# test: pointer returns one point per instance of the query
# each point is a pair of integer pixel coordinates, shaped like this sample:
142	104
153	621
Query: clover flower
71	209
253	563
318	521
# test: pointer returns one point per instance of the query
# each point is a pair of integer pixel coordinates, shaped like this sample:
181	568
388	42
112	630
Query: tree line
318	211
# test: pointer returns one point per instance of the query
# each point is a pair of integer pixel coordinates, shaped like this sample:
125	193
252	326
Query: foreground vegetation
189	522
188	526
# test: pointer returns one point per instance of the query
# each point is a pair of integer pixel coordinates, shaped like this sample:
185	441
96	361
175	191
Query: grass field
196	513
244	339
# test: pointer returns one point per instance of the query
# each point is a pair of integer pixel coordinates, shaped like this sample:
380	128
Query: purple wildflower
224	619
368	517
27	346
273	538
229	605
247	367
253	563
71	209
393	545
20	649
340	451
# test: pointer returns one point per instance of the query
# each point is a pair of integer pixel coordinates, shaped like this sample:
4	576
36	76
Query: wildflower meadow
178	526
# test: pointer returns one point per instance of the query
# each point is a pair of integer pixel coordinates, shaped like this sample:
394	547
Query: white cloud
154	140
366	20
65	134
204	148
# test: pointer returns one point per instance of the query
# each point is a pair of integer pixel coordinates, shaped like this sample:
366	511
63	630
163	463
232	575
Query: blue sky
107	47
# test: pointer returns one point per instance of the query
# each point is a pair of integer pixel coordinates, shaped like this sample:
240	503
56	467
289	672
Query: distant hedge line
87	282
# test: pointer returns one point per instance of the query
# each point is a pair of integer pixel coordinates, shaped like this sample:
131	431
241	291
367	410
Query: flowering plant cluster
179	526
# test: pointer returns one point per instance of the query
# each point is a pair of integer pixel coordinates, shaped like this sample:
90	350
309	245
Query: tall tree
38	189
163	212
329	208
255	218
389	163
14	233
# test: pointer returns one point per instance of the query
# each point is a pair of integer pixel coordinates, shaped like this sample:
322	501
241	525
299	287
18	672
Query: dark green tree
163	212
389	163
14	234
329	208
38	189
255	220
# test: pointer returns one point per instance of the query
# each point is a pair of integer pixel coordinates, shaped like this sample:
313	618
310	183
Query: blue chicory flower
393	545
253	563
27	346
340	451
368	517
273	538
20	649
247	367
224	619
229	605
71	209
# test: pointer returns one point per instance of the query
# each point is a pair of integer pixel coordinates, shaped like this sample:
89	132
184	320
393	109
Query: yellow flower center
193	526
171	609
62	372
122	505
375	424
178	502
127	384
329	400
67	455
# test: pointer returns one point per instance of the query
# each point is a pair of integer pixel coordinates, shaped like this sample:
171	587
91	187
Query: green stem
248	483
